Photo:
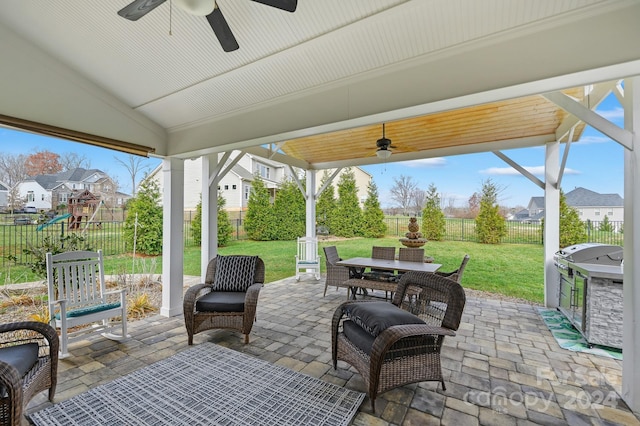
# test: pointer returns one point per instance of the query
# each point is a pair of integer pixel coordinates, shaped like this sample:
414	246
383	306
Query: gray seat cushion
22	357
374	317
221	301
408	346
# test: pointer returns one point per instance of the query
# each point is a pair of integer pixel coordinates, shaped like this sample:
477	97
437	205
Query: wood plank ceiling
514	119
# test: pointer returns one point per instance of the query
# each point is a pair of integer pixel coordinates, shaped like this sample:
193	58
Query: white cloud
594	139
426	162
612	114
534	170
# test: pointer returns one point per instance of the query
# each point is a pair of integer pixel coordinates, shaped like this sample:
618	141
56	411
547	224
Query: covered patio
502	368
312	89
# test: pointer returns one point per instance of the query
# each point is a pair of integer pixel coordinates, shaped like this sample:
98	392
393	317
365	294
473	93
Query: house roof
314	86
51	181
581	197
536	203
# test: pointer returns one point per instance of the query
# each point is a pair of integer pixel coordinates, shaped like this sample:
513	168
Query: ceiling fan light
383	153
196	7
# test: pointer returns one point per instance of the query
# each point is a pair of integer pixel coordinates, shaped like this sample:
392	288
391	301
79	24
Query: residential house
4	196
589	204
45	192
235	186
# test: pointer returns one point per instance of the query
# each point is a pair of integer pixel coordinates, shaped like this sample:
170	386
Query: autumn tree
474	205
433	223
491	226
347	221
42	163
373	225
401	191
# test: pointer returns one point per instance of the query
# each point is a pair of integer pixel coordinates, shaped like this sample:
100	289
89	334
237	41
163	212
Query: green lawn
510	269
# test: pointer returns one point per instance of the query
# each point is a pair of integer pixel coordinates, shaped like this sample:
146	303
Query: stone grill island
591	291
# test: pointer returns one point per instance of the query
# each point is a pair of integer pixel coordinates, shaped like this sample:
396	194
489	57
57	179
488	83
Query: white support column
172	236
551	235
311	204
209	231
631	286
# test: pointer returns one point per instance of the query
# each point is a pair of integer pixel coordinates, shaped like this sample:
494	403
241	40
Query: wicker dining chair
228	298
457	274
28	366
408	254
394	344
336	275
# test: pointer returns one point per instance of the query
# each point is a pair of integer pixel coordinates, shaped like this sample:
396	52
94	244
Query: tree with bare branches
402	190
134	166
73	160
12	169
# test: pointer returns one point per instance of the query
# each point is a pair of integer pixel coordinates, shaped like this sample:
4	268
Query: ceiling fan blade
288	5
138	8
222	30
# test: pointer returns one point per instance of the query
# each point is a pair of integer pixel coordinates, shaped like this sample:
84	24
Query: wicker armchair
392	347
227	299
336	275
457	274
28	365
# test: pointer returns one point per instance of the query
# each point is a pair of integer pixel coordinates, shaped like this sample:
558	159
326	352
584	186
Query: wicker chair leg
190	339
246	339
52	392
444	388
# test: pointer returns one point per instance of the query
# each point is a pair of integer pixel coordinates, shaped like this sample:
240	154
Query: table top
390	265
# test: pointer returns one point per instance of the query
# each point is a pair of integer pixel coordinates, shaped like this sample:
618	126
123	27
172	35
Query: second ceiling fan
208	8
383	145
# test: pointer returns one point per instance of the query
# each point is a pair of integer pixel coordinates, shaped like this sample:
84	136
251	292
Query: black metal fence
108	235
517	232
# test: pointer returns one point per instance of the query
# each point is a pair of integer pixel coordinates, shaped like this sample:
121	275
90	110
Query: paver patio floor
502	368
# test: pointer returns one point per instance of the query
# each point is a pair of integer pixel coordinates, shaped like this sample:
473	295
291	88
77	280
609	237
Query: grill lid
596	253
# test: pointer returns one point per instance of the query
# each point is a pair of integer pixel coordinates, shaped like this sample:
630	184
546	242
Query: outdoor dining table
357	264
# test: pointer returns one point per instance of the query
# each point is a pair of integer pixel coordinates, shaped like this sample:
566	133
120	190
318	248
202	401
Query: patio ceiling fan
383	145
208	8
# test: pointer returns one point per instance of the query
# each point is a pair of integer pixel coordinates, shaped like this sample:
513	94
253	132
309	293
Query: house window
31	196
226	187
264	171
246	192
579	212
597	212
610	213
233	187
42	197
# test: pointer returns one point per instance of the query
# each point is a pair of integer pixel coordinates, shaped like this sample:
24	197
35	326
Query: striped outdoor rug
208	385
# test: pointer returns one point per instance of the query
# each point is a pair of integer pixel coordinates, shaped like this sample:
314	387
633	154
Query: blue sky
595	163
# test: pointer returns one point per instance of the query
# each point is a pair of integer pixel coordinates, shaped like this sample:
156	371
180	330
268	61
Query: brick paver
502	368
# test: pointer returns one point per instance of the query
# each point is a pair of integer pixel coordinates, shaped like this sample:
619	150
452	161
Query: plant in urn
413	237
